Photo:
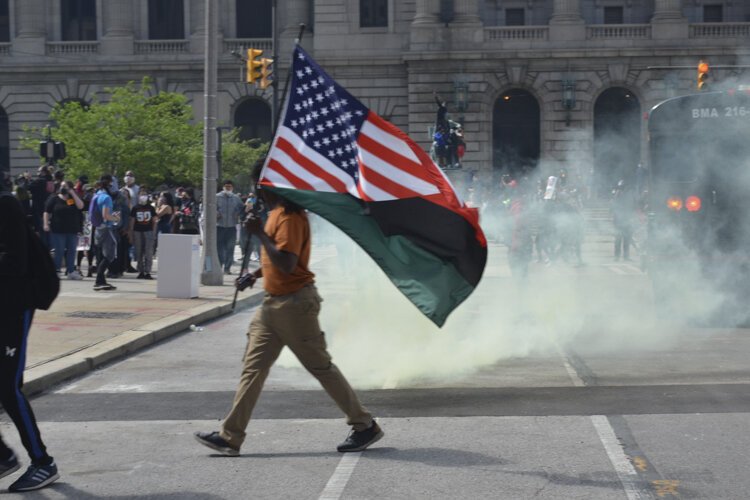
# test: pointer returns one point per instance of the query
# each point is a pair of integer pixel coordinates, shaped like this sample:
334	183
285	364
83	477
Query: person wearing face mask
133	188
142	232
229	208
104	218
62	220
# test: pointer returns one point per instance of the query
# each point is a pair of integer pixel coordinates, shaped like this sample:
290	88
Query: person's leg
71	243
231	243
12	361
138	242
58	244
263	347
148	251
220	237
295	319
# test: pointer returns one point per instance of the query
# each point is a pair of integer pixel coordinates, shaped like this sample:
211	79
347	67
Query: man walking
104	219
287	317
229	208
17	315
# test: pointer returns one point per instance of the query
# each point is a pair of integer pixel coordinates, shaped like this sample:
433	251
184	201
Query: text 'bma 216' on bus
728	111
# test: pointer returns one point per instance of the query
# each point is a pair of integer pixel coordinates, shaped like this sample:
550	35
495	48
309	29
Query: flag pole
246	248
286	83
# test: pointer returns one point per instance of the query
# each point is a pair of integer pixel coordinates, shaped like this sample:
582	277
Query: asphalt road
559	386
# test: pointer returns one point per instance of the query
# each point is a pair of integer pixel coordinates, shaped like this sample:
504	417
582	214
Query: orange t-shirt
290	233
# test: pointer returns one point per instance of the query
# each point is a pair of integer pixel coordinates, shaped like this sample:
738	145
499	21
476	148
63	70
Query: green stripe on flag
429	282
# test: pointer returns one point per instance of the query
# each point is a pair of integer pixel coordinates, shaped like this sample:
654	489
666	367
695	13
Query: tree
238	158
152	135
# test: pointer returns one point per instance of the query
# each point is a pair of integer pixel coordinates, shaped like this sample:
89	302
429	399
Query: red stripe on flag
393	158
447	197
310	166
385	184
293	179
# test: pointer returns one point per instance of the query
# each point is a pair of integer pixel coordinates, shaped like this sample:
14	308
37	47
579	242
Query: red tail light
674	203
692	203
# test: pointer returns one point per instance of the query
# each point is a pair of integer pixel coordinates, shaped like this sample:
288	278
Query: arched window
254	19
617	138
78	20
166	20
253	116
4	141
515	131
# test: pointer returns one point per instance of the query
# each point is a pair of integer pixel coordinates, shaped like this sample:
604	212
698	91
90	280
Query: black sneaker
104	286
359	440
9	466
140	276
216	442
147	276
35	477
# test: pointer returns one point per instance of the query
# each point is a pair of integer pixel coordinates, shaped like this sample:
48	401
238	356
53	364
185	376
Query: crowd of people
541	218
114	226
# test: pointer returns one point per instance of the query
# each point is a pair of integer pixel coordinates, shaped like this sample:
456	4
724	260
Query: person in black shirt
142	232
17	315
63	221
41	188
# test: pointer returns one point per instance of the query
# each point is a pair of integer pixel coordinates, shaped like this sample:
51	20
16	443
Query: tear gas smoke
380	340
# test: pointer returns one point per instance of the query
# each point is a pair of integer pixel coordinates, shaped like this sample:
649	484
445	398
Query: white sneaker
75	275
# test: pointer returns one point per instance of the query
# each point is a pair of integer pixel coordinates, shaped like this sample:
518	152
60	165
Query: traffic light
254	64
265	72
703	75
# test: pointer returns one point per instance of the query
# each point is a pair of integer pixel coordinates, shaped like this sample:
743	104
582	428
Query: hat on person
228	182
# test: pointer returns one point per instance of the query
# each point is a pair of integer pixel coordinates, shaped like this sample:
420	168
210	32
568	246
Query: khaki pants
289	320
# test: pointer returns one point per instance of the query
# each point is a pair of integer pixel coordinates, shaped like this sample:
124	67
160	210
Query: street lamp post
211	274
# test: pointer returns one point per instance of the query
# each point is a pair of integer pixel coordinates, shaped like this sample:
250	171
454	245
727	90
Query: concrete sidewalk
84	329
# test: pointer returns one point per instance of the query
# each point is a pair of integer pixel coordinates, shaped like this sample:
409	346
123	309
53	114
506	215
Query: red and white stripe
389	169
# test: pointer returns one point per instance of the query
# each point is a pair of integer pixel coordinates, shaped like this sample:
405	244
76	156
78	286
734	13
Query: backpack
44	283
95	213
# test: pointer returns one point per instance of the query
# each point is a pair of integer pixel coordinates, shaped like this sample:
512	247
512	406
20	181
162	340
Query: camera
64	191
245	281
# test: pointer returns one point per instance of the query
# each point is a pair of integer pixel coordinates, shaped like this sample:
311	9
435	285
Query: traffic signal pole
212	272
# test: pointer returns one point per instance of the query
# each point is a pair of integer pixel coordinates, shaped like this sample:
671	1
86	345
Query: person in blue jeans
229	208
62	221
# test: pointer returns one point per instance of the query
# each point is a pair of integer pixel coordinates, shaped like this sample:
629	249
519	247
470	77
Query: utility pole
276	67
212	274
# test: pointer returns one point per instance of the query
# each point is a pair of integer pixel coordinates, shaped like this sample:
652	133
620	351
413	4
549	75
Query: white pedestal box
179	266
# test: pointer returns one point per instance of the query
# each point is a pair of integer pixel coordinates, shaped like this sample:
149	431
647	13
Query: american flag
329	141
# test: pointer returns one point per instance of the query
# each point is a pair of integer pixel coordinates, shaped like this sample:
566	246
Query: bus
697	250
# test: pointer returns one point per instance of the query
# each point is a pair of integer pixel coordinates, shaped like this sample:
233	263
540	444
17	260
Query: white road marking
624	468
95	295
335	487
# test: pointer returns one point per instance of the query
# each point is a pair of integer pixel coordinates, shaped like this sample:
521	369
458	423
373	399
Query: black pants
15	331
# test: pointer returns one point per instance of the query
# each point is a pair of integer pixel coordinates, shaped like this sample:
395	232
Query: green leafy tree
238	158
152	135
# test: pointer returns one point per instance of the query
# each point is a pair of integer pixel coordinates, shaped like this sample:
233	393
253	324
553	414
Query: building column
198	26
426	12
668	21
117	24
290	14
667	9
566	11
31	33
466	11
566	23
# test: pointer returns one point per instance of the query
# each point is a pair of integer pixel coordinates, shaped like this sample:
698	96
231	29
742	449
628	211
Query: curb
42	377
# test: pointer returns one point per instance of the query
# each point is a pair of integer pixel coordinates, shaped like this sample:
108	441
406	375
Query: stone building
536	83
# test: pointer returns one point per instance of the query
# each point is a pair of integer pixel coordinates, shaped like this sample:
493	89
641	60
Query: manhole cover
99	315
